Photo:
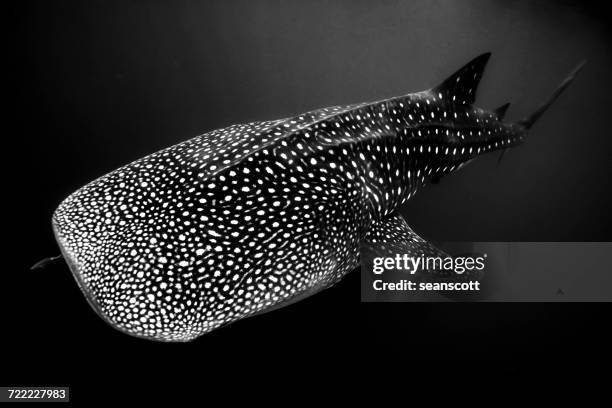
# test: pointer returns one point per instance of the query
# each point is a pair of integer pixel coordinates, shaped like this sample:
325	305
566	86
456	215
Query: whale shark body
252	217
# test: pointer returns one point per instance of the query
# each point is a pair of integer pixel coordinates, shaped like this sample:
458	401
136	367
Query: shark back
248	218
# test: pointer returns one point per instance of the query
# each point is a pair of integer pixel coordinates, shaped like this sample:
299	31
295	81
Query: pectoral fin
393	236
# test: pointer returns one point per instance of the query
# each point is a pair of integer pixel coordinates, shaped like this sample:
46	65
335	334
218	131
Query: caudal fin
531	119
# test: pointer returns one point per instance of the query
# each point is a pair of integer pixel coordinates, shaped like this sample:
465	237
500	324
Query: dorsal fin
461	86
501	111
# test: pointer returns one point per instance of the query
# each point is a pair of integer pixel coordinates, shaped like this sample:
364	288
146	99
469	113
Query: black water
103	83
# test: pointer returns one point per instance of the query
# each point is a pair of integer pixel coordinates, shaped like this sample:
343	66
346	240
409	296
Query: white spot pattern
241	219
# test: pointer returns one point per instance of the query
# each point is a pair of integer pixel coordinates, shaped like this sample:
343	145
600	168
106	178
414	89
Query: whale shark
252	217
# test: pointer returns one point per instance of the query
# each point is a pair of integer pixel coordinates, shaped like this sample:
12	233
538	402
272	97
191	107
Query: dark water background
105	83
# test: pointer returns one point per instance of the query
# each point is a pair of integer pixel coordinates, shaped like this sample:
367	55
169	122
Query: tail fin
531	119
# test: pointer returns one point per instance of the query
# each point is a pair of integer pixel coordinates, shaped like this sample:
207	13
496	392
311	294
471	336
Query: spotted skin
392	235
244	219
